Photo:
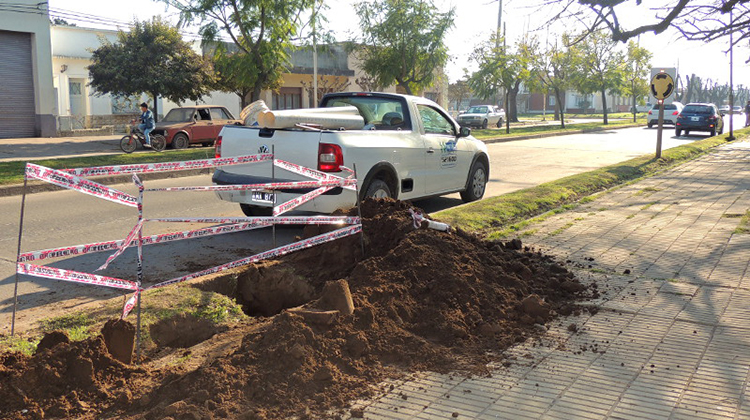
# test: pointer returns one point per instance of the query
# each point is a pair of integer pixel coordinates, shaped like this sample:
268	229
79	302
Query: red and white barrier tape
276	252
266	220
125	244
311	173
154	239
341	182
168	166
298	201
85	186
74	276
130	304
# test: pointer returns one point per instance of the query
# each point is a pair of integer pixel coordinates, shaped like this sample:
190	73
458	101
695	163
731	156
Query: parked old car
194	124
482	116
700	117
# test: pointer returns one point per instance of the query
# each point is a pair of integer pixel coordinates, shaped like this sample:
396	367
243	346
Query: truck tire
378	189
476	183
484	123
499	123
254	211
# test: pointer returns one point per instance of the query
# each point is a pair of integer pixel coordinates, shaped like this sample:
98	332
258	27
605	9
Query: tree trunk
634	99
559	107
512	113
156	106
507	113
255	93
604	106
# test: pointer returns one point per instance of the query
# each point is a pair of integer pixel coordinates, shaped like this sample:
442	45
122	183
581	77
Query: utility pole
731	76
315	59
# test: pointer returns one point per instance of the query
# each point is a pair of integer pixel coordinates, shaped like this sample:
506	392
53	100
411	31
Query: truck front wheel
378	189
476	183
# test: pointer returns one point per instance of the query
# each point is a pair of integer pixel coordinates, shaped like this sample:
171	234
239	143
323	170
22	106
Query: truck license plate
262	196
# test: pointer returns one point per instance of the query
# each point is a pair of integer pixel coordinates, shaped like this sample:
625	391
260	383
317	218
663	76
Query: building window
287	98
552	100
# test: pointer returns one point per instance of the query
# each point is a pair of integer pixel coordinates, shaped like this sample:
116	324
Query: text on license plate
695	118
262	196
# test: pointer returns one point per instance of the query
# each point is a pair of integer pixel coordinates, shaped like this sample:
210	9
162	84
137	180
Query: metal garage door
17	113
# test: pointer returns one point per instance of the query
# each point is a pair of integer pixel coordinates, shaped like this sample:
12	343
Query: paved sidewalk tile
672	337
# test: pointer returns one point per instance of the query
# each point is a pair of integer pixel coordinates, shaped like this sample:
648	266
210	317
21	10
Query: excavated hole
267	289
264	289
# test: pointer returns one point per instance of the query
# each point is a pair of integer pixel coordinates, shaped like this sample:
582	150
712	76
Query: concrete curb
566	133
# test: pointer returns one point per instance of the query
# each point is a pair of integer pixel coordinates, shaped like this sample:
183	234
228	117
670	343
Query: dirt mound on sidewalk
423	299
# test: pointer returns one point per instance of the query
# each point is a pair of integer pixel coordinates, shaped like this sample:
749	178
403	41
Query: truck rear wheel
378	189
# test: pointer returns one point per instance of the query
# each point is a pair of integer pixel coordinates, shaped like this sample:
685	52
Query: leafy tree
554	69
403	41
500	66
637	70
152	58
599	66
459	91
262	31
234	75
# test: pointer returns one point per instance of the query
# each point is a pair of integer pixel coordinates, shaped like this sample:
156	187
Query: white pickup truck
409	149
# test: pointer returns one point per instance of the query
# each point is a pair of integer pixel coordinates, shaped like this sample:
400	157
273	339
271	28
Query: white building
27	98
78	104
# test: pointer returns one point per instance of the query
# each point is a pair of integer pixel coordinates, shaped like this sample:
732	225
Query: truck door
447	159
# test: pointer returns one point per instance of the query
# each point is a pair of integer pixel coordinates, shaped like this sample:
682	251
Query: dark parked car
699	117
195	124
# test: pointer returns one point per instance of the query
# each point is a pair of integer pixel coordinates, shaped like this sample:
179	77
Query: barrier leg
18	254
359	211
273	179
140	272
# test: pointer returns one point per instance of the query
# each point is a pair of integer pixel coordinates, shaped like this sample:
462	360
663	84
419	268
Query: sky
475	21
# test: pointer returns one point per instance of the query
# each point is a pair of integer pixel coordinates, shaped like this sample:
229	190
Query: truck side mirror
464	132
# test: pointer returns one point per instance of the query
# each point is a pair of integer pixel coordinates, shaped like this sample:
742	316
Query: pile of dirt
64	379
423	299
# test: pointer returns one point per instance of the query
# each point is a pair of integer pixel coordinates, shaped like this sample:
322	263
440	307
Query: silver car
482	116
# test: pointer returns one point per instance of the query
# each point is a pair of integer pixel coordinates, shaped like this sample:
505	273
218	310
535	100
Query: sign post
662	87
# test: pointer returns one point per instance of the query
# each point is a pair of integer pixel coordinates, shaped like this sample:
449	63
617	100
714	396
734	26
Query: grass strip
492	217
492	134
12	172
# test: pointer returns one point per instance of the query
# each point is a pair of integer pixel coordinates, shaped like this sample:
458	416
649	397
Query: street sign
662	85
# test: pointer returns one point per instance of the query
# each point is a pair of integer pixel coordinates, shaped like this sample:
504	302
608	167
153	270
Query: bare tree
701	20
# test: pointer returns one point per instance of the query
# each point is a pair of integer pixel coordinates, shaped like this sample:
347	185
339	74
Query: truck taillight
330	157
218	147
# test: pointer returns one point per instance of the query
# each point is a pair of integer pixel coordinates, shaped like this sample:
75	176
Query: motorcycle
129	143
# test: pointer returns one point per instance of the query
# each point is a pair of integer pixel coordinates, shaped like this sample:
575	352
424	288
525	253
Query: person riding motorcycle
147	123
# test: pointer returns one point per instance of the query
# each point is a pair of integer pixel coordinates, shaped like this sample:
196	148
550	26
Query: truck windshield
379	113
477	110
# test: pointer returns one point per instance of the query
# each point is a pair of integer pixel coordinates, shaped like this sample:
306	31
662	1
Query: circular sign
662	86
